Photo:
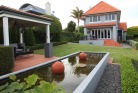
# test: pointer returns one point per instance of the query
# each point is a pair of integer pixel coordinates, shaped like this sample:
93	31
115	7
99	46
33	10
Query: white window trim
96	21
111	17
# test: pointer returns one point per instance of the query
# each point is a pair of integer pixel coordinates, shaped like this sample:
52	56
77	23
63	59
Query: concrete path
125	45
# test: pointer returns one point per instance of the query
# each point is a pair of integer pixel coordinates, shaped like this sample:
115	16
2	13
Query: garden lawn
120	55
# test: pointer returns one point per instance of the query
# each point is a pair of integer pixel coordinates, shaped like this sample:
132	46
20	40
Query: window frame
92	18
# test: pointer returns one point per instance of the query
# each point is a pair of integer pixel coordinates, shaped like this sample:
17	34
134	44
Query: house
37	10
102	25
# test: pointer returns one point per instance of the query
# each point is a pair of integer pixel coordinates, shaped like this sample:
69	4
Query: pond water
75	71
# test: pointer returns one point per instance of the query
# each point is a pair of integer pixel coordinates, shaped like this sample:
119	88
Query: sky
63	8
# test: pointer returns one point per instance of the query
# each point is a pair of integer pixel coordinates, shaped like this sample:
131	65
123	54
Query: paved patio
28	61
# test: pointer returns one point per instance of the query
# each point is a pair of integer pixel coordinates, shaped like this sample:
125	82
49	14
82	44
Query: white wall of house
107	17
115	35
102	19
124	36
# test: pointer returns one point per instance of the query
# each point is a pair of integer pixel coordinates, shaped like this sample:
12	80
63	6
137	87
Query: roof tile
123	25
101	7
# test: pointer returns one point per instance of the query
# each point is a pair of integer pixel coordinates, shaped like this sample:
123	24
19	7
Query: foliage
29	37
129	37
71	26
1	35
78	35
31	84
132	30
81	29
37	46
133	44
55	29
123	56
59	43
136	45
77	14
41	46
66	36
14	35
6	59
69	36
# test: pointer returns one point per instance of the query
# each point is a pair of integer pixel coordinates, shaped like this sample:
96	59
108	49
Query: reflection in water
58	77
75	71
72	60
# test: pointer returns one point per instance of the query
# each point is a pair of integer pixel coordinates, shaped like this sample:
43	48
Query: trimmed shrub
6	59
37	46
136	45
133	43
29	37
129	37
75	41
59	43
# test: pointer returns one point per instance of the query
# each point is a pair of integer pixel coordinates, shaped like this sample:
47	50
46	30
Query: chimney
48	8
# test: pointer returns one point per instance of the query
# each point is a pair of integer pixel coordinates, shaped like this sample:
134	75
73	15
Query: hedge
41	46
133	43
6	59
59	43
129	37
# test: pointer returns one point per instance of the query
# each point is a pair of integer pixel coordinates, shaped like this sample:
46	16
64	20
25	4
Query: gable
101	7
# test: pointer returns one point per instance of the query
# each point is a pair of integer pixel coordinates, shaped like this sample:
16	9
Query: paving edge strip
110	81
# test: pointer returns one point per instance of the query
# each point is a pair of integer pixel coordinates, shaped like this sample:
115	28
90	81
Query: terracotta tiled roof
2	7
100	24
101	7
123	25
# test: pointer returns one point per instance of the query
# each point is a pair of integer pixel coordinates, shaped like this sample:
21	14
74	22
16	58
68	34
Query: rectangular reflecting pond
75	72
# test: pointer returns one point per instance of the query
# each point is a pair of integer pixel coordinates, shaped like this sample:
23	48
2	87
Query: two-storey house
102	23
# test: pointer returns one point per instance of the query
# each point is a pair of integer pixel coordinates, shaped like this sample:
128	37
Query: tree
71	26
81	28
77	14
132	30
55	30
29	37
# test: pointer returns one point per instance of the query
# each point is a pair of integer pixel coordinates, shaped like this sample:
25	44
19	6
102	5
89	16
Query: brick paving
28	61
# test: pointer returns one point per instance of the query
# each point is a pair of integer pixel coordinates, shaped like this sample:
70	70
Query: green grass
120	55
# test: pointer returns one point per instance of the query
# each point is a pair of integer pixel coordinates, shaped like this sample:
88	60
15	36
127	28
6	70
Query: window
113	17
109	17
95	18
90	19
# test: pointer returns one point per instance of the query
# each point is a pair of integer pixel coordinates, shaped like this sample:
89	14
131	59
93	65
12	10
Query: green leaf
36	89
46	87
12	77
3	86
31	80
15	86
27	91
58	89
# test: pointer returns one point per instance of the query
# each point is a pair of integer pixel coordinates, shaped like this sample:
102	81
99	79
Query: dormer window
95	18
109	17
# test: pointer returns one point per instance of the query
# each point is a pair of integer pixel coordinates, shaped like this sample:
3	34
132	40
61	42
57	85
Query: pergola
10	16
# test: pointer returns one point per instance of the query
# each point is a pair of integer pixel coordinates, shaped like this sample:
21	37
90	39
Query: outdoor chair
21	49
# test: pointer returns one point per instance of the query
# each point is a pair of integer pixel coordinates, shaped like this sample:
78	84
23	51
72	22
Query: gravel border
110	81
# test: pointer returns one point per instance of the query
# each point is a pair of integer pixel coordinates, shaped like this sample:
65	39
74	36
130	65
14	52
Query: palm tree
77	14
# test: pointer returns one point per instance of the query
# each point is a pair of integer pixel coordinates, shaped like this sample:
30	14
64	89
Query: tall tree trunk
78	26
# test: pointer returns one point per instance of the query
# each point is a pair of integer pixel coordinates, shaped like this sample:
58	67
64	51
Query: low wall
92	42
90	83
